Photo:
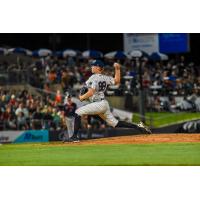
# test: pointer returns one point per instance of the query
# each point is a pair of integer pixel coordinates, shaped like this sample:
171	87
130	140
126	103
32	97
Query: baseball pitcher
96	87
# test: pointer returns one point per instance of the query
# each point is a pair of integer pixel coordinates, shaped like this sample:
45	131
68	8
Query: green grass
165	118
107	155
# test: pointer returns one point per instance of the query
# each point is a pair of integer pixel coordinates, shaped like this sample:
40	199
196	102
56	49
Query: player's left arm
87	95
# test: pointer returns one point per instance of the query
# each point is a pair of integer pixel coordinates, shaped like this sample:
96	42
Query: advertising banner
174	42
9	136
33	136
157	42
147	42
24	136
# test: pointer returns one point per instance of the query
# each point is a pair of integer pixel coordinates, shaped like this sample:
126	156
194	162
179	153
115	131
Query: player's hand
81	98
116	66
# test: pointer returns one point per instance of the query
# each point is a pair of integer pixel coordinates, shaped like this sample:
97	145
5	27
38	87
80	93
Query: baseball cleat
141	125
74	139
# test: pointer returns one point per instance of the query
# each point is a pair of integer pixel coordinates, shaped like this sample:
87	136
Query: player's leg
112	121
141	127
70	126
89	109
65	135
69	129
77	126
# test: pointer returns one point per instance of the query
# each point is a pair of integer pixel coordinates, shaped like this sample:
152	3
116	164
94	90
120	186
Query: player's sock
142	128
77	125
123	124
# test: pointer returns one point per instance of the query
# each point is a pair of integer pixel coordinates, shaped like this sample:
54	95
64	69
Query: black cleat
74	139
142	126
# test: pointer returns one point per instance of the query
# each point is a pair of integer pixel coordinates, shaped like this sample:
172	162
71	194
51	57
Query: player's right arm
117	77
87	95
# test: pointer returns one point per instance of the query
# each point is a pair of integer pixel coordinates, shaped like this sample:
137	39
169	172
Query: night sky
104	42
82	41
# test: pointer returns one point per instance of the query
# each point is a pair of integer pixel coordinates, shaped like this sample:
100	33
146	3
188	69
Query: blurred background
160	81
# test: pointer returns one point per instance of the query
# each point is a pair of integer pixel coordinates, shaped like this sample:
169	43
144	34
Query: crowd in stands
24	111
175	76
163	82
21	111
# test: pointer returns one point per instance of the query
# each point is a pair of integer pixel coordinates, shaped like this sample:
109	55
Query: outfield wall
24	136
46	136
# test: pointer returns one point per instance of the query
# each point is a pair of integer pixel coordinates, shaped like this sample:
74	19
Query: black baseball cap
98	63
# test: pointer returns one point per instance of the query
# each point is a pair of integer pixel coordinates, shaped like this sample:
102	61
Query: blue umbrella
92	54
3	51
65	53
116	55
138	54
156	56
42	53
20	50
69	52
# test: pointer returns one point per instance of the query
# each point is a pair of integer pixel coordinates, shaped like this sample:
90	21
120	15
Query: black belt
99	100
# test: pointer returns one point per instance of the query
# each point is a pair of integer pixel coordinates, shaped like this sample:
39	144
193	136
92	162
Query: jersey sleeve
88	82
110	80
92	83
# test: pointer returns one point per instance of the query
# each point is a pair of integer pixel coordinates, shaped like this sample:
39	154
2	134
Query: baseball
116	65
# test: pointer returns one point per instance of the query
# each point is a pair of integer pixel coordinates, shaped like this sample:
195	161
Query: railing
39	124
28	124
11	77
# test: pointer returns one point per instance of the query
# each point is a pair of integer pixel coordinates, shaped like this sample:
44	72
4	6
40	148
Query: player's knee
112	123
78	112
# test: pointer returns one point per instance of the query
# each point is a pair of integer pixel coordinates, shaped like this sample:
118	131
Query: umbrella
69	52
92	54
116	55
138	54
3	51
158	56
42	53
20	50
65	53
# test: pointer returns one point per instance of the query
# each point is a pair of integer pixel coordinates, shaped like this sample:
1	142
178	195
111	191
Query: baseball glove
83	90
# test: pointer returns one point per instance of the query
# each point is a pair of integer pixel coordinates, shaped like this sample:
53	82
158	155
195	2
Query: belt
99	100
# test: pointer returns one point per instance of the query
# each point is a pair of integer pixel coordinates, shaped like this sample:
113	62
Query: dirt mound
146	139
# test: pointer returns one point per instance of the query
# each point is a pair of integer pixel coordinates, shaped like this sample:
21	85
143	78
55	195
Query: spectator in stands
12	101
56	119
146	79
52	76
58	97
65	81
184	105
22	109
21	121
37	119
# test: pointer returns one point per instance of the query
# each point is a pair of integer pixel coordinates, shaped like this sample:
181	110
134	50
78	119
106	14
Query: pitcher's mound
146	139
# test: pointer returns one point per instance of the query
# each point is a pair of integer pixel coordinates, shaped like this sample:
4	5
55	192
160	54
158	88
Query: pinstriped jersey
99	82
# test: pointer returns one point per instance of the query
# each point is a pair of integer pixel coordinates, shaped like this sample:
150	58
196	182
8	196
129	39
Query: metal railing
30	124
11	77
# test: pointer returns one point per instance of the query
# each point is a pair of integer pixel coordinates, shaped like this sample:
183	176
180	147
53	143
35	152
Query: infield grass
100	155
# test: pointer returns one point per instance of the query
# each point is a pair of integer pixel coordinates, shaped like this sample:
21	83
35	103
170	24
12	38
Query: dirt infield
145	139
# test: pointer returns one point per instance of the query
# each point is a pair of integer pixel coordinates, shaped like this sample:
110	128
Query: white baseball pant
100	108
70	126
